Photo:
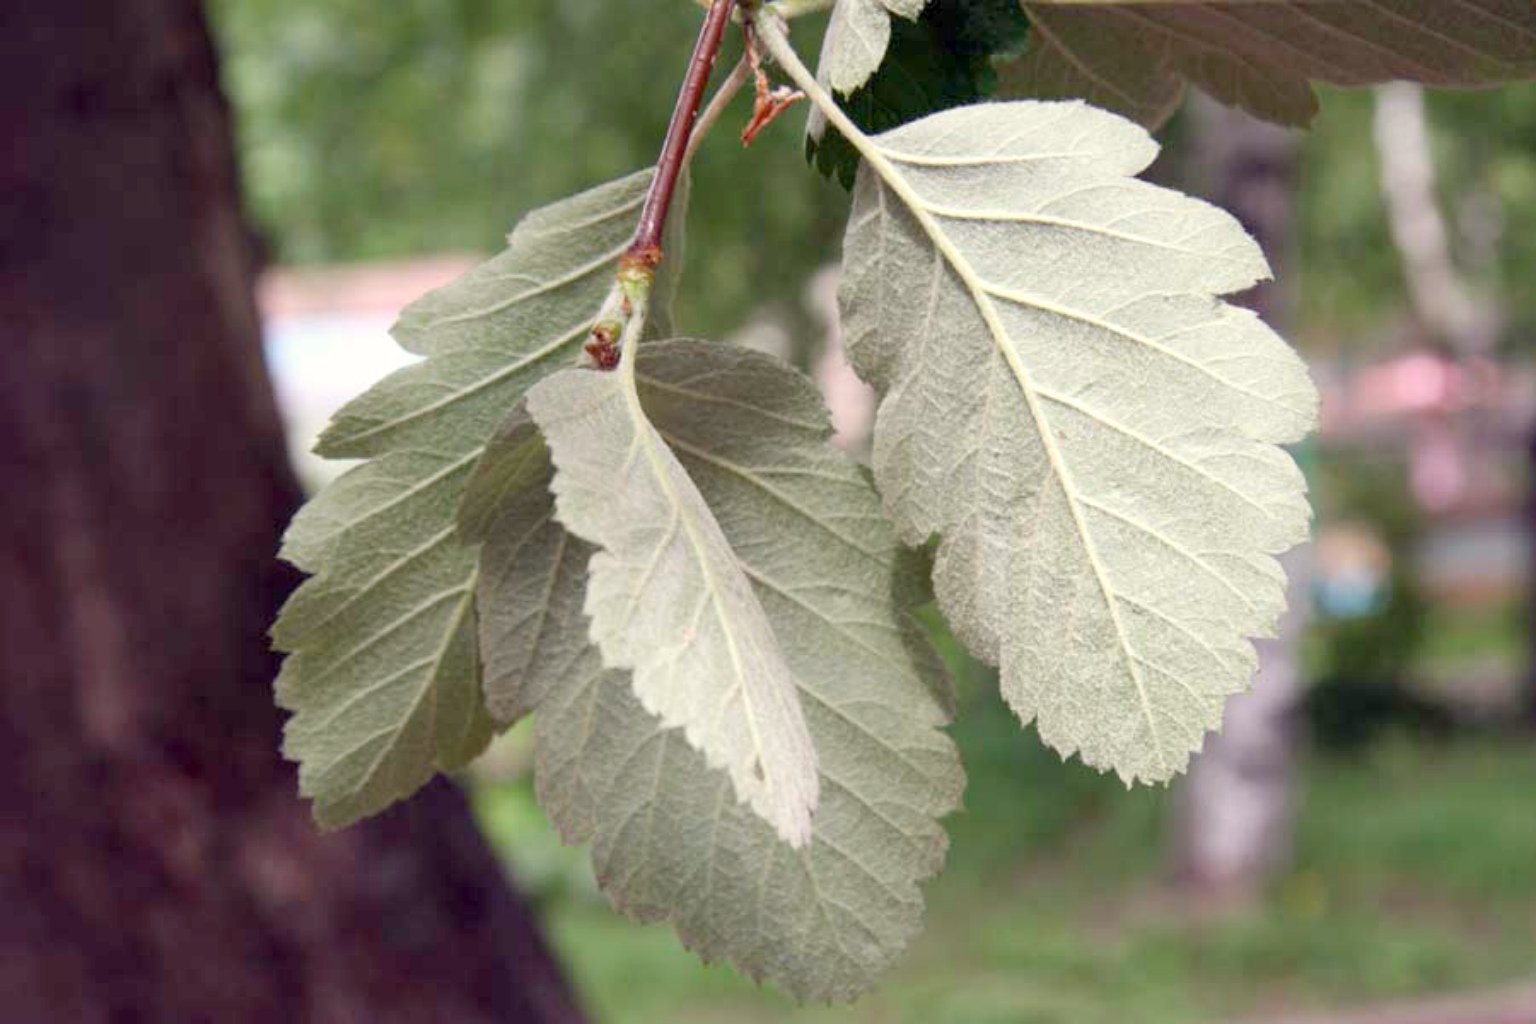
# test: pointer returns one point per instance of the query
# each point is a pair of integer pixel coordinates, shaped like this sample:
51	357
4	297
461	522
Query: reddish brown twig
645	251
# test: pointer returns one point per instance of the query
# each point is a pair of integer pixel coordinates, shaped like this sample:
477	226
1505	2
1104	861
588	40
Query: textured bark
1235	820
155	863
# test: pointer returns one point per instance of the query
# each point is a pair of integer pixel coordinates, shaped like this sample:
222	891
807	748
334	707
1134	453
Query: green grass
1474	654
1415	872
1455	635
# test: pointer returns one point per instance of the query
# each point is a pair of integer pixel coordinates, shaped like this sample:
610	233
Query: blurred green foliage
1358	664
1346	273
380	131
373	131
1381	643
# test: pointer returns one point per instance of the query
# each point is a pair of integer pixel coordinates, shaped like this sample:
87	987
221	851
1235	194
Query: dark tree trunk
155	863
1235	810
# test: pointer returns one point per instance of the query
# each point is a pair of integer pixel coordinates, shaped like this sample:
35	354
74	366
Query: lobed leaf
670	840
668	599
1135	56
383	676
857	37
528	565
1092	434
383	671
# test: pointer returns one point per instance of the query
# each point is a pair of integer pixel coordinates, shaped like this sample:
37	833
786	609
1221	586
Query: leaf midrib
647	439
982	299
880	164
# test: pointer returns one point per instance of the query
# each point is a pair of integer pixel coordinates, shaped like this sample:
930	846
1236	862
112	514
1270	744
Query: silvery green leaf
533	631
1134	57
383	675
1093	434
670	841
667	596
532	572
496	330
857	37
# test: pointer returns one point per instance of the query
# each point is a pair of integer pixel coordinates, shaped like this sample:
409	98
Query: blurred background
1364	832
1359	844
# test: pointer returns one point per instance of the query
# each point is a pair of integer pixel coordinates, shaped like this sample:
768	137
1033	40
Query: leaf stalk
797	8
616	328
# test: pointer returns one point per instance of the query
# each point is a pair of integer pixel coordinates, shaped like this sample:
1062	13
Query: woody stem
645	251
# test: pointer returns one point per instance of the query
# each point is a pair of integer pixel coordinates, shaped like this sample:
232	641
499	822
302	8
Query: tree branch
1439	295
645	251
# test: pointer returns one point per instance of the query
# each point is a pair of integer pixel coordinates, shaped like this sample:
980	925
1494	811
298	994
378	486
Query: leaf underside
668	599
382	674
1092	433
1135	57
857	37
670	839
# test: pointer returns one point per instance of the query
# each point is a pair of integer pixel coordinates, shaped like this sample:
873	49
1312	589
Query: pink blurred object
1437	467
1440	406
365	288
1421	382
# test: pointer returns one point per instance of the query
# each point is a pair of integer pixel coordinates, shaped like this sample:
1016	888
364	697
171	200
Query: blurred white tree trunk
1465	324
1442	302
1451	453
1235	810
